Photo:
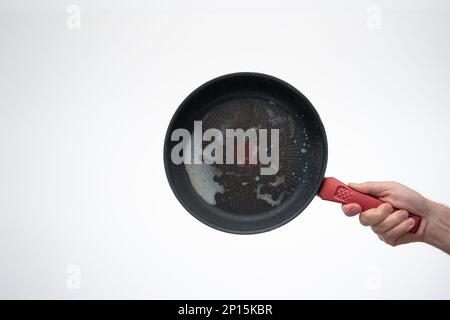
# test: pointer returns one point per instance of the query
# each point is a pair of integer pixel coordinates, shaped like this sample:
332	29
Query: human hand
393	226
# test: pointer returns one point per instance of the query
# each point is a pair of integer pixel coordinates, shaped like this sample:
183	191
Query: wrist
437	229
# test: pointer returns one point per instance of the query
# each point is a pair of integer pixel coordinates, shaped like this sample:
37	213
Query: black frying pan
237	198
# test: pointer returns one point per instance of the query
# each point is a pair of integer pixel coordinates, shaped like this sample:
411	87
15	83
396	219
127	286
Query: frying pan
237	198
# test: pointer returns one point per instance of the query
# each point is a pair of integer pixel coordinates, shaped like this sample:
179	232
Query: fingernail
354	211
411	222
387	208
403	214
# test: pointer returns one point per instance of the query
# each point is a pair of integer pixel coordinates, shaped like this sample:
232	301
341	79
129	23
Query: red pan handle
336	191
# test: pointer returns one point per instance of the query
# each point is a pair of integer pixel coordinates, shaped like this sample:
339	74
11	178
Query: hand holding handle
336	191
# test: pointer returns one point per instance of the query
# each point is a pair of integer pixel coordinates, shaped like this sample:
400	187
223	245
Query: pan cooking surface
241	188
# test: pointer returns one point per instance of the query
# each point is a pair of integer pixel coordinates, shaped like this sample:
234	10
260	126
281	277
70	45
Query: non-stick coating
245	98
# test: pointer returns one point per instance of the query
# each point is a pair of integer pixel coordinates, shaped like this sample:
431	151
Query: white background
83	113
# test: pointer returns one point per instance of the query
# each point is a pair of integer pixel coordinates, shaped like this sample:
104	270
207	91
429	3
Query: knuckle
348	213
370	217
363	219
394	184
376	229
401	215
390	241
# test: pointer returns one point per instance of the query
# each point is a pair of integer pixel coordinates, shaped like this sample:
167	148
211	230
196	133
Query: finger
351	209
391	236
407	238
375	216
390	222
373	188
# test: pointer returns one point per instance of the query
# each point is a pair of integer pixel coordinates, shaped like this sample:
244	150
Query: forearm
437	231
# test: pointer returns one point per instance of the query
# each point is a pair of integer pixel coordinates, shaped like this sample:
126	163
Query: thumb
372	188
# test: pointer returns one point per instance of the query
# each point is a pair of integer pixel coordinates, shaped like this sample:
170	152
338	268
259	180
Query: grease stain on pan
281	120
268	197
279	180
202	179
275	120
291	126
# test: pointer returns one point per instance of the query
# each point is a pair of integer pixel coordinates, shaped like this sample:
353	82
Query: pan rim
307	200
